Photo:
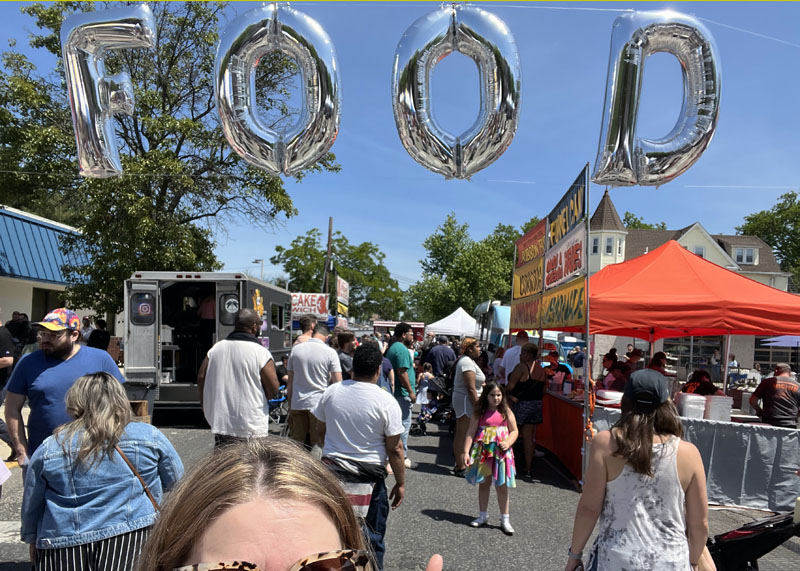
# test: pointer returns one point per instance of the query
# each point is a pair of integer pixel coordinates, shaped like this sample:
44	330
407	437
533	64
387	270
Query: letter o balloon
485	39
624	158
242	43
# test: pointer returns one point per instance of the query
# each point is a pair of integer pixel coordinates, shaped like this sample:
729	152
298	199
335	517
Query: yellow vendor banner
525	313
564	306
341	309
528	279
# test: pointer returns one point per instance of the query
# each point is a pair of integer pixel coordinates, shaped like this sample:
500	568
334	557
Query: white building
31	280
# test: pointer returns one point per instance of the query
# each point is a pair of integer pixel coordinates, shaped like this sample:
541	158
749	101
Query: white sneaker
478	522
506	527
407	462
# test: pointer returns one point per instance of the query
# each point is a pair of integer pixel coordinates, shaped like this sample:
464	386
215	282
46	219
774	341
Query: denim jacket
65	504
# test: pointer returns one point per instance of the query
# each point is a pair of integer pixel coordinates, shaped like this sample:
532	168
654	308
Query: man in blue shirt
45	376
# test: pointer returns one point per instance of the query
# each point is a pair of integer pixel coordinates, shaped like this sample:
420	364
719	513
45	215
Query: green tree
181	180
461	272
530	224
630	220
372	289
780	228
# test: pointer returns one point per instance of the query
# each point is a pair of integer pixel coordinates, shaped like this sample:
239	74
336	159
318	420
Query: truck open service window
143	308
277	316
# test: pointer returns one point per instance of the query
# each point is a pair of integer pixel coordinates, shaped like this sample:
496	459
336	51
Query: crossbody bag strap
141	480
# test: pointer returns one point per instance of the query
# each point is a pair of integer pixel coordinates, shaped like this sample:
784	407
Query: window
609	246
142	308
277	315
619	247
228	306
745	256
595	245
700	251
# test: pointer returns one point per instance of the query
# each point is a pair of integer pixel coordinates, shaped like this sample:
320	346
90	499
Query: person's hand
436	563
413	397
22	456
573	564
512	399
396	496
503	445
465	459
32	552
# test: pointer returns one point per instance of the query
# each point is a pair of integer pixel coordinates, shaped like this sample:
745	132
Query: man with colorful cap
45	376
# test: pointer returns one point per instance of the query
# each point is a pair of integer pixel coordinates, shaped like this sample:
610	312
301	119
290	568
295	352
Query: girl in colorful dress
492	459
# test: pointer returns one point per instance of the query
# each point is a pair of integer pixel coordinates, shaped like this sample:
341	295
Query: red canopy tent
670	292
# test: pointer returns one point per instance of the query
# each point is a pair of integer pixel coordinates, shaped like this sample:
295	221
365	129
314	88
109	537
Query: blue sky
383	196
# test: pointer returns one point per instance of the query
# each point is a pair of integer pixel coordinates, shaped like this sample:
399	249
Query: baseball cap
59	319
647	387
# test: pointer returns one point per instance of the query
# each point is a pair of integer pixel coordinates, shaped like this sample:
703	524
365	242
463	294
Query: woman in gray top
467	386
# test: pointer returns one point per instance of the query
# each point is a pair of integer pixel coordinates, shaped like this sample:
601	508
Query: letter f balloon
94	97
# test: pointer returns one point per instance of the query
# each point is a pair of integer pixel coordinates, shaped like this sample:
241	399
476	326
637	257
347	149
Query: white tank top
642	526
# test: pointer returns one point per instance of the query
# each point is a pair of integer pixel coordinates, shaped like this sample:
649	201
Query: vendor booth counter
748	465
561	431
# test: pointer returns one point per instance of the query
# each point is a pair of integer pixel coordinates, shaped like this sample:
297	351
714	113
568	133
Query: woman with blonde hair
93	487
260	504
467	385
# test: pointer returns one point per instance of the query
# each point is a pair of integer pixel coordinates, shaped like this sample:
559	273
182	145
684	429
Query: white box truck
171	320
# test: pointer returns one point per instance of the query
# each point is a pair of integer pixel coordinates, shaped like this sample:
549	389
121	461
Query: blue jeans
405	410
374	525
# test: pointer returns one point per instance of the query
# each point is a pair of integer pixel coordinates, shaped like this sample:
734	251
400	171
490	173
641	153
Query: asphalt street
435	515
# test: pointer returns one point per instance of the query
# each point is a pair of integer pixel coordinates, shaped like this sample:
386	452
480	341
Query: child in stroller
436	409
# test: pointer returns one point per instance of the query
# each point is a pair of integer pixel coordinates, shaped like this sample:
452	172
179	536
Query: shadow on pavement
15	566
428	468
452	517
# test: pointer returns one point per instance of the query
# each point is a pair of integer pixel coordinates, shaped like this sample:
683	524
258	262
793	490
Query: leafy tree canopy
372	289
630	220
461	272
780	228
181	181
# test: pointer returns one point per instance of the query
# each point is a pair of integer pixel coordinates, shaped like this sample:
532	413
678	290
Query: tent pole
727	345
691	354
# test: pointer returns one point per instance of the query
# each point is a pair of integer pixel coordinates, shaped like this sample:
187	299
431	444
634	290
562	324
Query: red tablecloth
561	431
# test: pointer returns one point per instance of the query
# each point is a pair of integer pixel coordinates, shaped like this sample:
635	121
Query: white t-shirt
358	417
234	402
312	364
467	364
511	359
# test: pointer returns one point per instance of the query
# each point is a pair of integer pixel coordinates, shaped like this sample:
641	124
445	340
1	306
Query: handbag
141	480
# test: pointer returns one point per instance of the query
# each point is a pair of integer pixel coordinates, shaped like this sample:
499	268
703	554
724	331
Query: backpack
449	373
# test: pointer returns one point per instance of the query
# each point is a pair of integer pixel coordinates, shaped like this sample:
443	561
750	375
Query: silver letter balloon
623	159
94	97
488	41
242	43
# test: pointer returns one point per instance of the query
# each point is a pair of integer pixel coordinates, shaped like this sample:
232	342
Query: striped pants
117	553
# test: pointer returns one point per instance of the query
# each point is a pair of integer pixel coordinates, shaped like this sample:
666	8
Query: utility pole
257	260
325	282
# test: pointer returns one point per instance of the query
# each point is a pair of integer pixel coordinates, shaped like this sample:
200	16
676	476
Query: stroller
279	406
438	408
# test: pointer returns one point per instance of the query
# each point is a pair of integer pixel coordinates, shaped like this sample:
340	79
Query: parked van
172	319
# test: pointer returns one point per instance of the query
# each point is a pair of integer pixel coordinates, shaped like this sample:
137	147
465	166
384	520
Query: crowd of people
95	479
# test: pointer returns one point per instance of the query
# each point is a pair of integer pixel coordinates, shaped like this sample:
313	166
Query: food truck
383	327
172	319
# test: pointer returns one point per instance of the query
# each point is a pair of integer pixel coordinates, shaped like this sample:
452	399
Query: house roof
605	217
29	247
766	257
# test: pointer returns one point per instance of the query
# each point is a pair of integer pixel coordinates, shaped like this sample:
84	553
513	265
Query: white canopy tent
458	323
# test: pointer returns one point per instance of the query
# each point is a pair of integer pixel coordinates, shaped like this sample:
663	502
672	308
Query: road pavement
435	515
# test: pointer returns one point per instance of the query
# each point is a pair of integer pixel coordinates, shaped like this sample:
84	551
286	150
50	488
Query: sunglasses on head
342	560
